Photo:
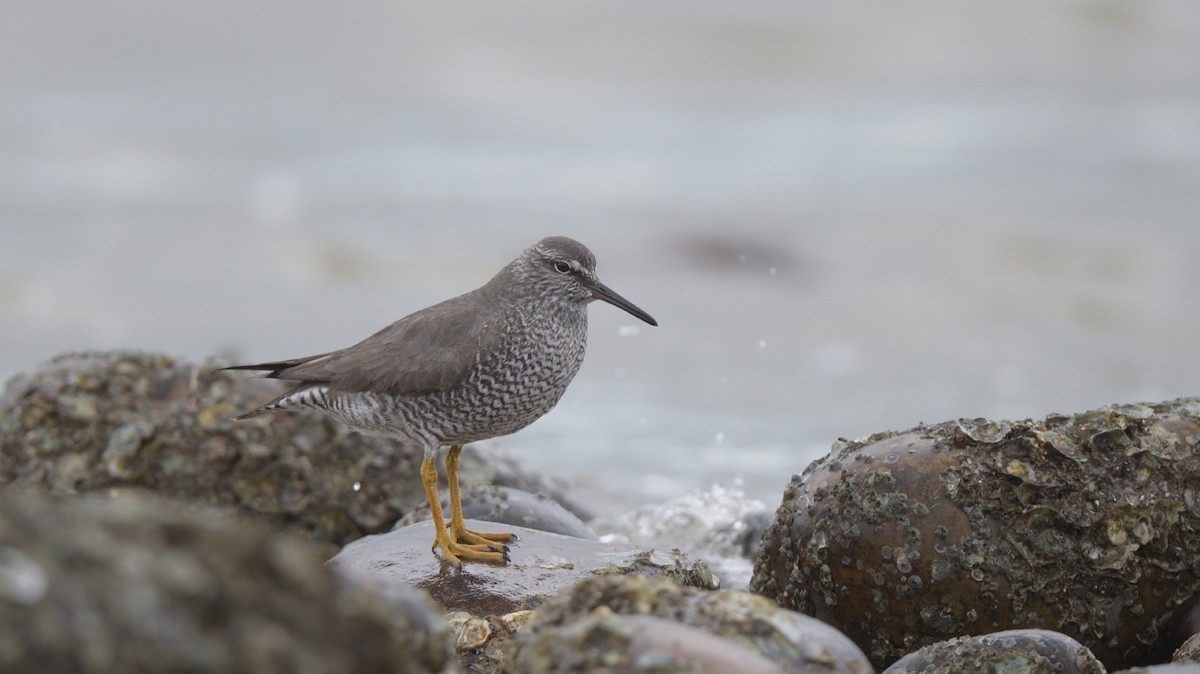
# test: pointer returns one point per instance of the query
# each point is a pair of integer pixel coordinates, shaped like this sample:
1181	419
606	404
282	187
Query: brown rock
1088	525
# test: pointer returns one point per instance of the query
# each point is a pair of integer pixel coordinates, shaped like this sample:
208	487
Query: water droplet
357	486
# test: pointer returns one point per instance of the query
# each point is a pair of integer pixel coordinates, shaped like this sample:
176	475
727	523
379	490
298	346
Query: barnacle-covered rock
1011	651
633	644
480	641
99	421
794	642
1086	524
140	584
1189	651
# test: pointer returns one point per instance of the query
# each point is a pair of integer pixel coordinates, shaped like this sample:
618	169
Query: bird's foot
470	546
495	541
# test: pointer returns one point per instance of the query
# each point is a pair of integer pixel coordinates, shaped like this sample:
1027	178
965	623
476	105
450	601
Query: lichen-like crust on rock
102	421
793	642
1010	651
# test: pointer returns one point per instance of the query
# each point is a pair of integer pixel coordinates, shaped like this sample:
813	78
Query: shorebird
484	364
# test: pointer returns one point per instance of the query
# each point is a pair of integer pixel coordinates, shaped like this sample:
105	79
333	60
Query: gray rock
140	584
633	644
794	642
1013	651
1189	651
543	564
99	421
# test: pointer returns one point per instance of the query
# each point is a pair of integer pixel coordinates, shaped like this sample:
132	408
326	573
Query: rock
1088	525
543	564
140	584
507	505
480	641
1189	651
100	421
1013	651
627	644
795	642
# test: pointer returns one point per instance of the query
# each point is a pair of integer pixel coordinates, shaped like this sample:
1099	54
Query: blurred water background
847	217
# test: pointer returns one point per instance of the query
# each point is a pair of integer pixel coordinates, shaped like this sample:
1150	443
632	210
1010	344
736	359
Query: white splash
713	525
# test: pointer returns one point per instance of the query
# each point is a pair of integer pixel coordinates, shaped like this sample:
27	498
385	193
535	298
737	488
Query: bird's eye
562	267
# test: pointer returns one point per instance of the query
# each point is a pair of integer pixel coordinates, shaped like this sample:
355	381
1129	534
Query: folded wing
433	349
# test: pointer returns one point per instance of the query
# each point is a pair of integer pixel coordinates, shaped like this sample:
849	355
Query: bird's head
564	268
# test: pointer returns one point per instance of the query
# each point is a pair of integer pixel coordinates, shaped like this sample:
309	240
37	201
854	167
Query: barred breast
510	387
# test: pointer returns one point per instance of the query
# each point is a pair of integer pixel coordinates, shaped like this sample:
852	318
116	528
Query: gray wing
431	350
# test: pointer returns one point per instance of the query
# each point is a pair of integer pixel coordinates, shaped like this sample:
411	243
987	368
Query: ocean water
847	218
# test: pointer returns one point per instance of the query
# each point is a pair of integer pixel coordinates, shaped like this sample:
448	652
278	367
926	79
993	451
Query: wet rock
139	584
543	564
507	505
634	643
795	642
100	421
1012	651
1189	651
1088	525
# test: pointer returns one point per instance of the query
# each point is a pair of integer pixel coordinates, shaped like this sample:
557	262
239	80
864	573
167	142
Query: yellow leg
458	530
452	551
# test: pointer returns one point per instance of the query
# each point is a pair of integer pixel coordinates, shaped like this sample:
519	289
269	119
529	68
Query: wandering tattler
483	364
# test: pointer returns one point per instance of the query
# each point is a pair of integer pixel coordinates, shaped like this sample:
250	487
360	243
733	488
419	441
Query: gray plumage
484	364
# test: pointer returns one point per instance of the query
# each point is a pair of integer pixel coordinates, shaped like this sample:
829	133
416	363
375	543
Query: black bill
603	292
